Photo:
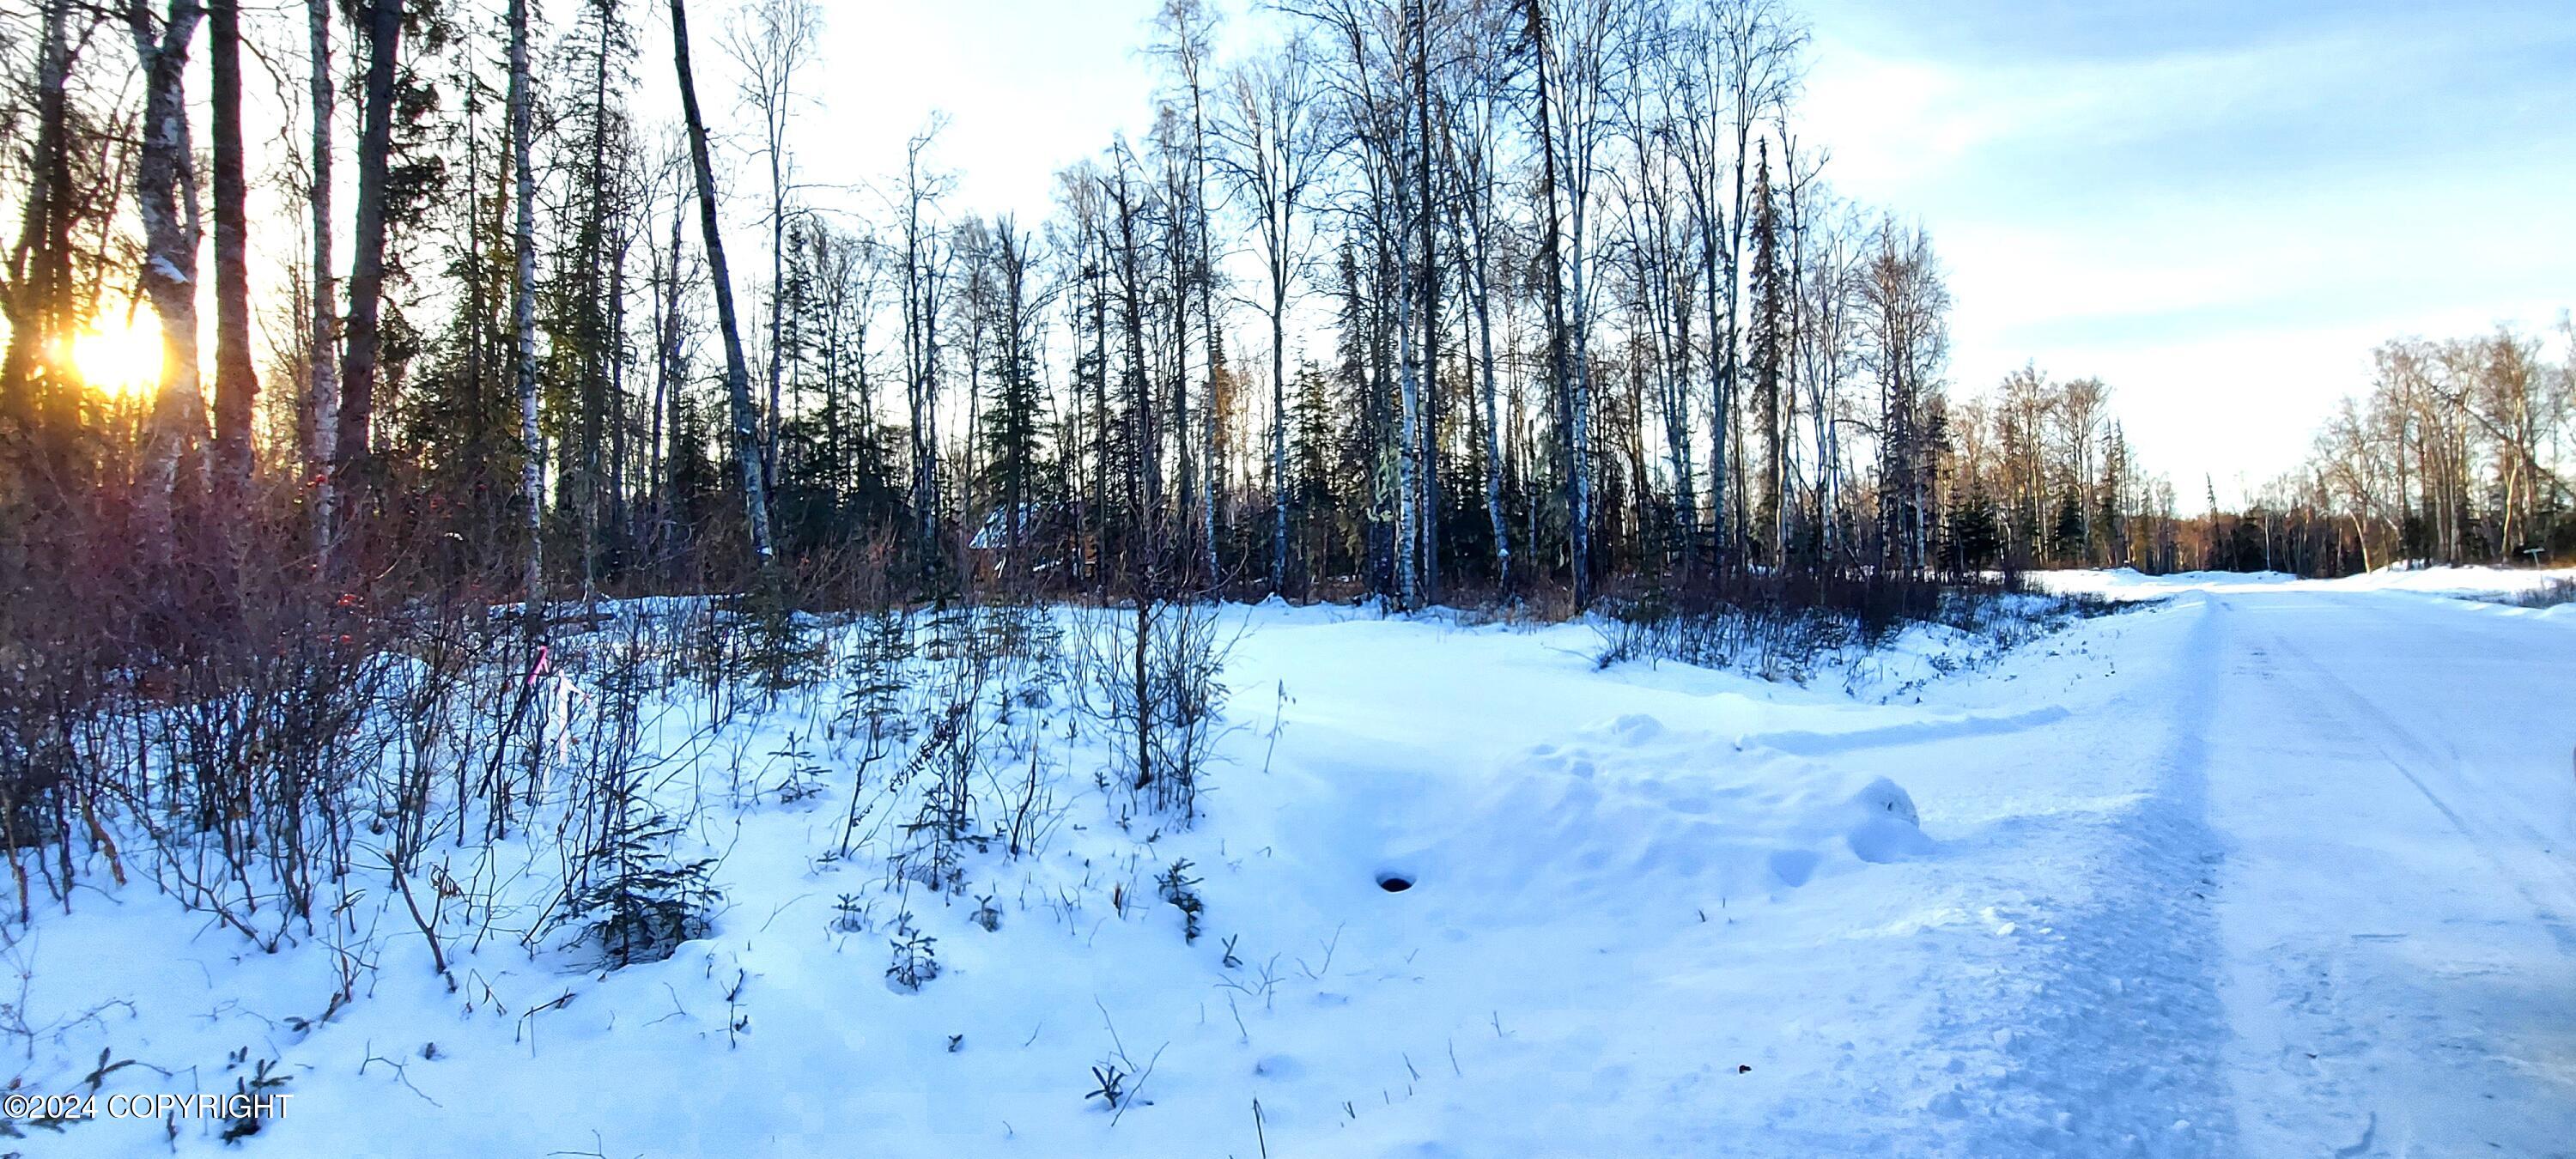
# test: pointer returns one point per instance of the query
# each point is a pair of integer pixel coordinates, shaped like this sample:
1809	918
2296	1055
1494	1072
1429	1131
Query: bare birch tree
165	198
1273	150
771	42
746	420
322	386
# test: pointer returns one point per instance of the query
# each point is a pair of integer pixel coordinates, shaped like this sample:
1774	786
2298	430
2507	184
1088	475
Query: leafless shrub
2548	595
1152	684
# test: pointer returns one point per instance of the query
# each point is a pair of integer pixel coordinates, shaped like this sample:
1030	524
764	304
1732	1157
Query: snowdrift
2476	582
1589	820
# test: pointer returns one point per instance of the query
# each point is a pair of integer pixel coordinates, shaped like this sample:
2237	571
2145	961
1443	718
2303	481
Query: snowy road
2391	775
2272	869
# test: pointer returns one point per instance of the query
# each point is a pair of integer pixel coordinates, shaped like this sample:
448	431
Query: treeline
1436	300
2040	475
2460	452
1431	299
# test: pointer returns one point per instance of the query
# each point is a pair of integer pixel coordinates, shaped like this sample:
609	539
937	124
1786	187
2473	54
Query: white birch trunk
322	385
165	196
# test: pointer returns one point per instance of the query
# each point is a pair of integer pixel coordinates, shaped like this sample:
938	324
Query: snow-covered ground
2481	583
2266	867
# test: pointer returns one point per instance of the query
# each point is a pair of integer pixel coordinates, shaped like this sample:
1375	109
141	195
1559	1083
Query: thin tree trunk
1493	420
1721	381
666	396
523	312
1176	250
1208	418
35	384
236	380
777	289
1579	399
1099	267
322	388
1144	479
616	508
1428	452
1549	245
746	422
1407	493
1278	420
365	339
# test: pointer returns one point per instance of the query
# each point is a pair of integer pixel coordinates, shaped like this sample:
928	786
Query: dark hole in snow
1394	882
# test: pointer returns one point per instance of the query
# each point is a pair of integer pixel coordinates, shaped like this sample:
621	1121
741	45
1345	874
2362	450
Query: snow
2264	866
2441	579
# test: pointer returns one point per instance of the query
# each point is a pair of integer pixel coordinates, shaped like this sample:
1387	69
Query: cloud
2219	208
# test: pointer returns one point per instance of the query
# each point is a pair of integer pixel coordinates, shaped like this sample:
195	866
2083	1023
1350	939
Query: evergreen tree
1766	340
639	898
2066	534
1973	531
1011	463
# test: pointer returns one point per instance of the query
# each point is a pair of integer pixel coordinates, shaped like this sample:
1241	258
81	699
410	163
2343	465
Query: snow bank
2130	584
1632	804
2476	581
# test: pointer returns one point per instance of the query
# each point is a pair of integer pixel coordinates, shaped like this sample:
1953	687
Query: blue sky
2218	206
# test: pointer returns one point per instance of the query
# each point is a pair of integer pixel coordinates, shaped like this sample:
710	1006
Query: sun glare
119	356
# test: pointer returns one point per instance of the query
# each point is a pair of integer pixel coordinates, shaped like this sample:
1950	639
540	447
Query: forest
1436	303
460	473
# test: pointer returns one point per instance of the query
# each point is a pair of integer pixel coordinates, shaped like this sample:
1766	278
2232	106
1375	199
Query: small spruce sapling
1109	1085
916	958
257	1085
641	900
931	853
804	777
849	915
777	653
1181	890
876	676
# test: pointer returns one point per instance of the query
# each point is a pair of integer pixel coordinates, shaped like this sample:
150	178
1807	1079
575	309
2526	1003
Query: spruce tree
1767	339
639	899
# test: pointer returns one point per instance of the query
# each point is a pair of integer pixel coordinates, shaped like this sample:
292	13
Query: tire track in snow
2397	945
2407	753
2114	1046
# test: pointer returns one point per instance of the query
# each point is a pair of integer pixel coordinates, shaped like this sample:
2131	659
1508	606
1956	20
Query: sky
2218	207
1025	88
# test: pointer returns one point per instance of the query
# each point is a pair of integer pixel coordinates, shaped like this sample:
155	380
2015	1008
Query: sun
119	355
